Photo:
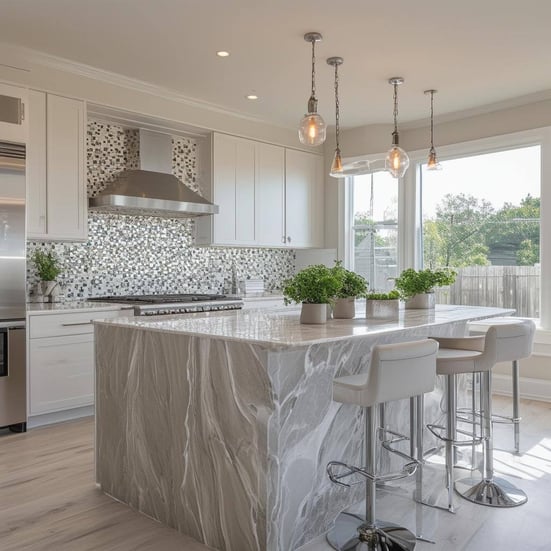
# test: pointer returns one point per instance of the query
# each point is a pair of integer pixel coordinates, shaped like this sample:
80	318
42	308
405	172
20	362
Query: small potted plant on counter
382	305
416	287
48	268
314	287
352	287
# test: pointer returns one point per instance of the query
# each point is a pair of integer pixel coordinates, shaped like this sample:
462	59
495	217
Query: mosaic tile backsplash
144	254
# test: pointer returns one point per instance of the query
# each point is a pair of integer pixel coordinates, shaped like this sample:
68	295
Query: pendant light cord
432	120
313	69
395	108
337	107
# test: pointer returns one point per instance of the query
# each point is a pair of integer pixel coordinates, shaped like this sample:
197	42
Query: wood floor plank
49	501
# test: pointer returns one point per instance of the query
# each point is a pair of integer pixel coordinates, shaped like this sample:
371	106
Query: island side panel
308	430
182	432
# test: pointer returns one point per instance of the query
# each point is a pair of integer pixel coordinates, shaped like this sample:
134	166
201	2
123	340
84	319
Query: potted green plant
382	305
353	285
416	287
48	268
314	287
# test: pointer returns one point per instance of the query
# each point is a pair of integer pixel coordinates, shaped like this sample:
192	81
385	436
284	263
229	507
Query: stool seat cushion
396	371
515	336
451	361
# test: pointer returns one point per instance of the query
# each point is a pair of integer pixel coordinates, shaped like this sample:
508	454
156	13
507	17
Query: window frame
409	203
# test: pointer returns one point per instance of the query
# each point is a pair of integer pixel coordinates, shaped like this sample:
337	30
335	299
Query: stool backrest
401	370
515	337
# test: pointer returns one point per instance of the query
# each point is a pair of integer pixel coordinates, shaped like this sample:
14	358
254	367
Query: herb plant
315	284
391	295
47	265
353	284
412	282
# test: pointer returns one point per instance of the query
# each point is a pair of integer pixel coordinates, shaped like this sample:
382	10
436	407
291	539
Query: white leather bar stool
396	371
474	354
515	338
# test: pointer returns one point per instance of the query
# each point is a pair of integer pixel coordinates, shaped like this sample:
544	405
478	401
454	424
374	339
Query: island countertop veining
281	327
221	424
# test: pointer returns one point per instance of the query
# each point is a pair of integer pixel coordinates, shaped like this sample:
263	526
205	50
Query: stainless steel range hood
152	190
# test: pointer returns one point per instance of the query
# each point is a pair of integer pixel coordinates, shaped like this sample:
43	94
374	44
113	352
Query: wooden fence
515	287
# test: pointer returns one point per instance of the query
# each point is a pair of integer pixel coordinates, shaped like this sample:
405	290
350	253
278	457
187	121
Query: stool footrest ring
437	430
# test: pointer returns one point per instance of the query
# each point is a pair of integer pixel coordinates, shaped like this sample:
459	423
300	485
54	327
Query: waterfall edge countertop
280	327
221	424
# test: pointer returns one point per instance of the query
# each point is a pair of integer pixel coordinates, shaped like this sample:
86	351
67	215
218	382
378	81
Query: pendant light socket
397	160
432	161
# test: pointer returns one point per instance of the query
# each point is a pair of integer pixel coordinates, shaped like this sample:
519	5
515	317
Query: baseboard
532	389
59	416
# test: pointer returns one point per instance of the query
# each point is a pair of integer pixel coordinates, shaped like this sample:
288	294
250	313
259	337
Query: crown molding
35	57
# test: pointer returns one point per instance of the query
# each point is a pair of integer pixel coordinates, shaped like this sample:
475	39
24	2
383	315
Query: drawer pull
78	323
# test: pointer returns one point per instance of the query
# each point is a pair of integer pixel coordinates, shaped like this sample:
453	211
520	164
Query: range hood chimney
152	189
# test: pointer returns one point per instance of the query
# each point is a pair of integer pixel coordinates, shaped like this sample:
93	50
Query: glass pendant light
336	166
312	127
397	160
432	163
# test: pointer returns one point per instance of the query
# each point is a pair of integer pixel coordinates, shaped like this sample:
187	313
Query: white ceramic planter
421	301
47	288
382	309
314	313
344	308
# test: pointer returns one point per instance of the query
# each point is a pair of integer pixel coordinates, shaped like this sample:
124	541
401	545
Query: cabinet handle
77	323
288	240
283	239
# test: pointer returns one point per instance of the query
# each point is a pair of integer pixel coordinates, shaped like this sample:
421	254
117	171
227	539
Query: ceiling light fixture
432	163
222	53
336	166
312	127
252	97
397	160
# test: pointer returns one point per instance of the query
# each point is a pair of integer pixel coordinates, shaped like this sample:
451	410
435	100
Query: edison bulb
432	163
312	129
397	162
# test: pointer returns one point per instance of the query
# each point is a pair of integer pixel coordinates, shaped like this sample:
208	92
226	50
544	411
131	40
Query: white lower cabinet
62	373
61	359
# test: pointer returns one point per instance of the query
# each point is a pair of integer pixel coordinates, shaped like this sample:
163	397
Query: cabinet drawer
61	373
55	325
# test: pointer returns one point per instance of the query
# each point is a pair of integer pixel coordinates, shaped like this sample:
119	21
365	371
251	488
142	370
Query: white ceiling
475	52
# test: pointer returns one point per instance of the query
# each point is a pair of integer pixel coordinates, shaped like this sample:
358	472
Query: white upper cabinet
304	199
56	179
268	196
13	115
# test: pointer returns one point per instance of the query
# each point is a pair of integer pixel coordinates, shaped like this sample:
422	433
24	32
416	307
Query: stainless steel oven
13	391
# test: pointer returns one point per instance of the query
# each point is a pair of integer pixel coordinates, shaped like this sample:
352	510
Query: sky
504	176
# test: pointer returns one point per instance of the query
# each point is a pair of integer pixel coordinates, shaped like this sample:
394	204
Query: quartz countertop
280	327
37	308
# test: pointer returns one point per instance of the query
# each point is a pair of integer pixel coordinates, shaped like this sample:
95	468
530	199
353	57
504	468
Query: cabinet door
270	195
36	165
234	190
66	185
304	199
13	117
61	373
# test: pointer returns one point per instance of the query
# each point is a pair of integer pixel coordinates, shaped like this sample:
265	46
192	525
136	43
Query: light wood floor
48	500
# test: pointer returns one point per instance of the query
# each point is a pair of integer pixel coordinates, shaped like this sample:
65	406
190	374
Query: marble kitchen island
221	424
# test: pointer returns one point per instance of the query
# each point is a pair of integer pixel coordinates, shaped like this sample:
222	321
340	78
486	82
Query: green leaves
47	265
352	284
412	282
391	295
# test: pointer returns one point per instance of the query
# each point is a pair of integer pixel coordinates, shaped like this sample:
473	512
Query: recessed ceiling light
251	96
222	53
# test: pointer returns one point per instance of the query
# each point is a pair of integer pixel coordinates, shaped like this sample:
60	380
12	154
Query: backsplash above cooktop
132	255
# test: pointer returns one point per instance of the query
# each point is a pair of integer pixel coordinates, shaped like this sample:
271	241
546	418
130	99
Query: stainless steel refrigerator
13	407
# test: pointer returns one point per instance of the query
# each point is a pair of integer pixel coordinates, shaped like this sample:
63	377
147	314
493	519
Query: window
374	235
481	216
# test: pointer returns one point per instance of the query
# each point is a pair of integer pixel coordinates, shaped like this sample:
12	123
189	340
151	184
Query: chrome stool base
350	533
497	492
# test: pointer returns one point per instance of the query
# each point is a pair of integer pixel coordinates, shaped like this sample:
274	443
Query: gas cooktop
154	305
